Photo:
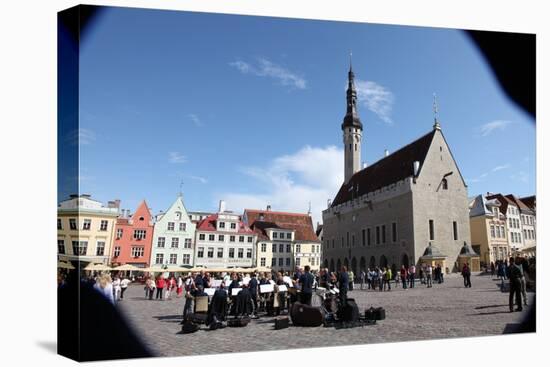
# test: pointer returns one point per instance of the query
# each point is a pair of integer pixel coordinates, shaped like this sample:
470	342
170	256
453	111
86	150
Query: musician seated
218	305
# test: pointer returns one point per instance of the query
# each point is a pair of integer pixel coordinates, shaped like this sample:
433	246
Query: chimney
222	206
386	153
364	165
268	208
329	202
416	167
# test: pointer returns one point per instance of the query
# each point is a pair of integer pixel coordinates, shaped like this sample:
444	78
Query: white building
173	237
223	240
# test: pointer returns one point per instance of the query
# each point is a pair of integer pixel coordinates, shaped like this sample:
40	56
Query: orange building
133	238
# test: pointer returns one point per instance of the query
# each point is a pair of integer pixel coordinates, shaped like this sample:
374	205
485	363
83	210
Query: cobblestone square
447	310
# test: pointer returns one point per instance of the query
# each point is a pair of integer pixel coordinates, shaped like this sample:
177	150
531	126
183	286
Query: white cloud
489	127
176	157
376	98
498	168
200	179
291	182
195	119
81	136
483	176
520	176
266	68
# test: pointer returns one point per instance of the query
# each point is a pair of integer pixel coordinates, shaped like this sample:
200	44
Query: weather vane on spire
181	188
436	111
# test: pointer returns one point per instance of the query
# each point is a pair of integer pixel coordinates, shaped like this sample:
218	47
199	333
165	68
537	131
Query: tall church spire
352	129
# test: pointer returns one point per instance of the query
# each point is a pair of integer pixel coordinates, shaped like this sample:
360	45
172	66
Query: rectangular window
347	239
210	253
289	236
384	233
159	259
72	224
220	237
297	261
455	231
281	261
503	231
187	243
240	253
298	248
59	225
80	247
161	242
231	253
281	248
86	224
231	238
431	224
288	248
233	225
249	239
211	237
60	246
377	235
352	240
274	248
342	242
221	225
200	252
186	259
183	226
333	243
241	238
170	226
202	236
493	231
287	261
249	253
369	241
119	233
363	238
275	234
175	242
139	234
264	247
117	251
262	261
173	258
394	232
100	248
220	252
273	261
138	251
103	225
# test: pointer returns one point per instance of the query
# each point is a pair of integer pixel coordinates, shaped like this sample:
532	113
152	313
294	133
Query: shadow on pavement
50	346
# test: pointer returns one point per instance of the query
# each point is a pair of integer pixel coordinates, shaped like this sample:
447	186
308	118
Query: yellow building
85	229
488	229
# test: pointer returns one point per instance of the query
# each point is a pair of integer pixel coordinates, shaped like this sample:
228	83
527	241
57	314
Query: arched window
444	184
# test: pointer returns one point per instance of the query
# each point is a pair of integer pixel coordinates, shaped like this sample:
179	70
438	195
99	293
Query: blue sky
248	109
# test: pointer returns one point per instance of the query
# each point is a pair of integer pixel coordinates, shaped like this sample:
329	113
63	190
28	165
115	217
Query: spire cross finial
436	111
350	55
181	187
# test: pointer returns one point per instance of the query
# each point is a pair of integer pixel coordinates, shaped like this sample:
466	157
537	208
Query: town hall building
409	207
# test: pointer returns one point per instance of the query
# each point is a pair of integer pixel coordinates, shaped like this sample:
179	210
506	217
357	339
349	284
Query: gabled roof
480	206
208	224
393	168
300	223
530	201
521	205
504	202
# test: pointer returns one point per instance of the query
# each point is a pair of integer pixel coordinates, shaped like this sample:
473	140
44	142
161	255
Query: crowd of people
518	271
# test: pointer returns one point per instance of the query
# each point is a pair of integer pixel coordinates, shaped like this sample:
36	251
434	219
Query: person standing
189	290
351	279
123	286
388	278
116	288
160	287
404	275
515	274
412	274
429	272
343	284
362	276
104	285
519	263
466	275
306	284
253	285
179	286
492	269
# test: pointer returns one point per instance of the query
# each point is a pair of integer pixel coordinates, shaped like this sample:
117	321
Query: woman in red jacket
403	274
160	286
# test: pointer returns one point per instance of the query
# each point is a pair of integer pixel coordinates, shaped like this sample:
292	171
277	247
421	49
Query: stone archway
346	263
383	261
354	265
338	265
405	260
363	263
325	264
372	262
331	265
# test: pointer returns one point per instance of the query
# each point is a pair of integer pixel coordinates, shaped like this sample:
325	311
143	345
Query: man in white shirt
429	272
123	285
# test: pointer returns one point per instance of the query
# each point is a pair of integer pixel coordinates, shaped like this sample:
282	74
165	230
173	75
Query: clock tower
352	130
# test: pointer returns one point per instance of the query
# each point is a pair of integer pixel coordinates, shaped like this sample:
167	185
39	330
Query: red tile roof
300	223
208	224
